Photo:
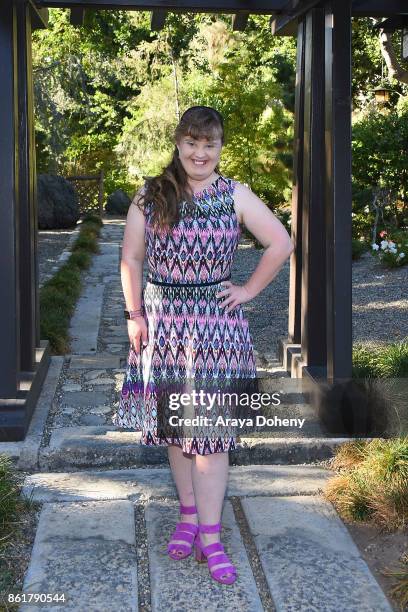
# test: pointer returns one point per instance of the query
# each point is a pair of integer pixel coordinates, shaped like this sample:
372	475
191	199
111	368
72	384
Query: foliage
109	94
380	149
390	361
358	247
393	248
81	97
14	516
373	482
58	295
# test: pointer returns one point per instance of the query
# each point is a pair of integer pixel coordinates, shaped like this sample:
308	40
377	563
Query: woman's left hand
234	295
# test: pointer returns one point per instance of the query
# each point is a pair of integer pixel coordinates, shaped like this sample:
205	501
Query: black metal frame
319	340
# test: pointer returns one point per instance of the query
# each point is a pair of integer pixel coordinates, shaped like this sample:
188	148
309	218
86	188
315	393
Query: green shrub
92	218
358	247
59	295
81	259
374	486
87	242
390	361
8	496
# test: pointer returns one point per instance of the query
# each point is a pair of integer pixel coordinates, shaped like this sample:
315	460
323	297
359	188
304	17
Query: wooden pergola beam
392	23
158	19
39	16
285	24
240	20
378	8
266	7
76	17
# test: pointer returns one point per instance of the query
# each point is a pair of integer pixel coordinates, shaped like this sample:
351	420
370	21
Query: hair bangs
206	129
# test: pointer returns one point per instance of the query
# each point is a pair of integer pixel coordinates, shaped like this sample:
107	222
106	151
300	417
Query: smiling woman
195	337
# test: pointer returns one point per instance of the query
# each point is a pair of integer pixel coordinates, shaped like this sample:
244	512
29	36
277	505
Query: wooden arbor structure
319	342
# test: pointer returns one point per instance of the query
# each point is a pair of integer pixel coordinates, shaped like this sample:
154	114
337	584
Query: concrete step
147	483
106	446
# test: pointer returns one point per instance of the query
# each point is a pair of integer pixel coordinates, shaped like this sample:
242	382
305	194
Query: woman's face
199	157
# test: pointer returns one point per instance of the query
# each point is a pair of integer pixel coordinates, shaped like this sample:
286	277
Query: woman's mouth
198	162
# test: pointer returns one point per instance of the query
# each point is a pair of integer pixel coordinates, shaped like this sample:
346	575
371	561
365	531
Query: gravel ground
380	301
51	244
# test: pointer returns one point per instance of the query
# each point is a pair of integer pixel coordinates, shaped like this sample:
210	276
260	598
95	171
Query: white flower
391	244
384	244
375	246
402	255
366	209
393	250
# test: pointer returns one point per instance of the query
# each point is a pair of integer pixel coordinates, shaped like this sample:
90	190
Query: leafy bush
358	247
393	248
379	161
390	361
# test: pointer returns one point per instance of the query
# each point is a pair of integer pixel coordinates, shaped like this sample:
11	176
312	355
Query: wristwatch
132	314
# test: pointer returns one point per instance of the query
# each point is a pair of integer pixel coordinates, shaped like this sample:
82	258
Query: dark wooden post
27	245
313	328
10	304
24	359
338	188
291	346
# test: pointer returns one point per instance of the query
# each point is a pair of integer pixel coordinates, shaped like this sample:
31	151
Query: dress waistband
155	282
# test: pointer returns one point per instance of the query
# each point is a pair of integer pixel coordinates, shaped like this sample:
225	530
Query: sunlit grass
390	361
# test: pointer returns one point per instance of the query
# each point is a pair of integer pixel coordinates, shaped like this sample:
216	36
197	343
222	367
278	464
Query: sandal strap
210	528
190	527
188	509
184	536
213	548
217	559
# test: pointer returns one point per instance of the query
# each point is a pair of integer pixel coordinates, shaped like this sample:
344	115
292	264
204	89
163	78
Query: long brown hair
169	188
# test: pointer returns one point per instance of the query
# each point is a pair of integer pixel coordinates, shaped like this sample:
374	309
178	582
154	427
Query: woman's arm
133	254
271	233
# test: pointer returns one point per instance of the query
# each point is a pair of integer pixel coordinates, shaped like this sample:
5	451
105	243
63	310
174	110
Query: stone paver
85	551
309	558
187	585
97	361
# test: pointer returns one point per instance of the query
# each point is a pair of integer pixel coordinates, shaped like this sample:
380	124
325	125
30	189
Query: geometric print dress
185	387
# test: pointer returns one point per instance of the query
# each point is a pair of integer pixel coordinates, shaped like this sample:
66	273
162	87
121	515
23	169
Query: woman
187	328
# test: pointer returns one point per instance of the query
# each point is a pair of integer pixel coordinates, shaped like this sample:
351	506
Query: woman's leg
210	477
180	465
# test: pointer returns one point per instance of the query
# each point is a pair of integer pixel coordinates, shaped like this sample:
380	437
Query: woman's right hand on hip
137	330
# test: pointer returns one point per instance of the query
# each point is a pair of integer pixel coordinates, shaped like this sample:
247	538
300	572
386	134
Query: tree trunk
395	70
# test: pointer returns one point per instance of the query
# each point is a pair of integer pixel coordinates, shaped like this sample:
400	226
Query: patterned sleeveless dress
195	347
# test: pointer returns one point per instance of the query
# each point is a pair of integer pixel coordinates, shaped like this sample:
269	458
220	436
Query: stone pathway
109	504
101	541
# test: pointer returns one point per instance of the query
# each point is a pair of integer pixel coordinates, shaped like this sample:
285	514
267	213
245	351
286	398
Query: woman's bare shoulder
240	193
